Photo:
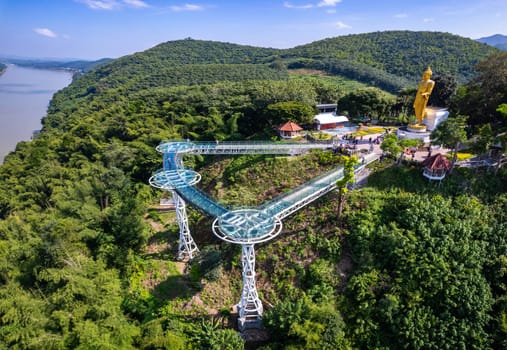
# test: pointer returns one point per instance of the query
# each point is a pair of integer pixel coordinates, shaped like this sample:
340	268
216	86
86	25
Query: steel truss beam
187	249
250	306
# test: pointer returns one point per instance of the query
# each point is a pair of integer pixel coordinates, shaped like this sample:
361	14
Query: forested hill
183	62
190	51
399	53
388	60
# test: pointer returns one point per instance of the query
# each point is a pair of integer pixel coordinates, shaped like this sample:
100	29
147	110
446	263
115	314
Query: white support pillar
250	306
186	246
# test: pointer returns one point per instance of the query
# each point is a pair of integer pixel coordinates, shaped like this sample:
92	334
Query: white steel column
186	246
250	306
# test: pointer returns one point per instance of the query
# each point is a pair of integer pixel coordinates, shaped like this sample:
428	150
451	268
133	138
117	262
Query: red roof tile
436	162
290	126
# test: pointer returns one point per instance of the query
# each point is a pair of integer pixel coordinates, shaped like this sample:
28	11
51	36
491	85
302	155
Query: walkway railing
290	202
240	147
279	207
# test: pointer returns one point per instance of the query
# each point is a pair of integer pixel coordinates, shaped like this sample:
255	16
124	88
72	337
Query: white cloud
427	20
341	25
113	4
100	4
45	32
400	15
325	3
331	11
292	6
187	7
136	3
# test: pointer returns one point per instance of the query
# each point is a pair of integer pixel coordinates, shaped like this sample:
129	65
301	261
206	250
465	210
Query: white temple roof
329	118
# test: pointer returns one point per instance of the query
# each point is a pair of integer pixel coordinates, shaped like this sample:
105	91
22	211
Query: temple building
328	119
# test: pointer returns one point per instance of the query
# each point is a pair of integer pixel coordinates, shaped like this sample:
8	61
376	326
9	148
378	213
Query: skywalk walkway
240	225
290	202
244	226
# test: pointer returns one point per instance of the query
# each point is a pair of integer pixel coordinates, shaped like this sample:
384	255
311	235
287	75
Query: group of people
355	140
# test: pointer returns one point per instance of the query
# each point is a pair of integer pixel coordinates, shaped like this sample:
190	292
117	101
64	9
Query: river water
24	97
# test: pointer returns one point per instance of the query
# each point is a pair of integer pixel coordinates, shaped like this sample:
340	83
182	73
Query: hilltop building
327	117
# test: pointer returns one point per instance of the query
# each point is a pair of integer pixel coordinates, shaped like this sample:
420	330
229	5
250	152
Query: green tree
123	230
502	109
450	133
22	319
209	335
482	96
366	102
302	324
349	164
484	139
320	281
445	87
162	333
421	283
297	112
391	145
403	109
226	339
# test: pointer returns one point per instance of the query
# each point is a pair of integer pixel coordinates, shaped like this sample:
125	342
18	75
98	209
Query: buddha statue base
416	127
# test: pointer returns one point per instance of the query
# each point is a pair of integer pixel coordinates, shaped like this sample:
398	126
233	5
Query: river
24	97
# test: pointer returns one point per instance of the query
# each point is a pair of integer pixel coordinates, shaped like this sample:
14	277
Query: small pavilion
289	130
436	167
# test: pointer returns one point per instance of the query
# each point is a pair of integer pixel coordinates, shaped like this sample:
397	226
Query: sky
94	29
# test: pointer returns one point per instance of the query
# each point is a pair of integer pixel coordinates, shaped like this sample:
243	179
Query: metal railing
279	207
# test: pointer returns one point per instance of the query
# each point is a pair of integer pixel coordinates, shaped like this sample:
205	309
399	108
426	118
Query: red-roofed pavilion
436	166
290	130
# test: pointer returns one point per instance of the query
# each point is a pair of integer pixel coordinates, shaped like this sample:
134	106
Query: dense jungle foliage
86	262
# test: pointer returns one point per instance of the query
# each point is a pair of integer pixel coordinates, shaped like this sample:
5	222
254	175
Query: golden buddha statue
424	89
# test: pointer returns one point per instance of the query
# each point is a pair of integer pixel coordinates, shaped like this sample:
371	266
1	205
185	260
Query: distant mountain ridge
74	65
498	40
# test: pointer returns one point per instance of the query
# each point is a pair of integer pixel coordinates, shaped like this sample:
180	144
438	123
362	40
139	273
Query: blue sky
92	29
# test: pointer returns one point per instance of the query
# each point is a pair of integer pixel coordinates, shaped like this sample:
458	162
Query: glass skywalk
241	225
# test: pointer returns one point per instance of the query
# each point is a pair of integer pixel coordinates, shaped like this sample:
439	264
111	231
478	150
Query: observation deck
240	225
244	226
